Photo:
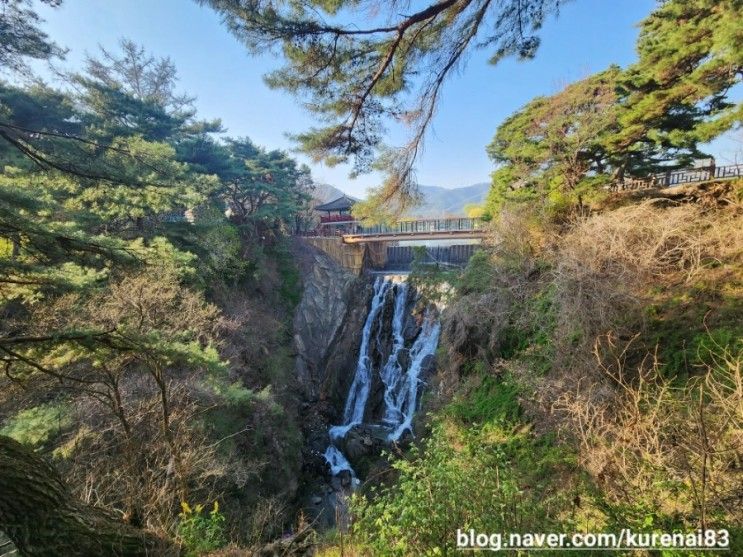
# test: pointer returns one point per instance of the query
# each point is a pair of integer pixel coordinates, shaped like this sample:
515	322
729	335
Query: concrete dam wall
387	256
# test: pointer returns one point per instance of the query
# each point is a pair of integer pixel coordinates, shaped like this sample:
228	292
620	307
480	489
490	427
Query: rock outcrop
327	325
327	332
327	328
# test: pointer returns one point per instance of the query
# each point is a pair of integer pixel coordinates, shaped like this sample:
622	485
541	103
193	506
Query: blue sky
586	37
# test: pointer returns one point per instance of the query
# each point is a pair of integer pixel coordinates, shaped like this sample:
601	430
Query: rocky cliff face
335	312
327	327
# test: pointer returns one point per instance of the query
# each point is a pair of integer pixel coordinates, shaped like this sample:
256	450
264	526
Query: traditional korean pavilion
337	217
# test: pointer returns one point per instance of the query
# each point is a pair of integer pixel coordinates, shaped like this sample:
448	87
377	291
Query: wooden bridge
426	229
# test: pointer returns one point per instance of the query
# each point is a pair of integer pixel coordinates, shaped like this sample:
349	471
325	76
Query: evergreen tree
554	147
134	93
266	187
21	37
678	93
357	72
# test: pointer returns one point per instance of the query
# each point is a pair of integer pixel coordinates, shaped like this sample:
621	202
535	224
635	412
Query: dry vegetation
656	437
137	433
623	330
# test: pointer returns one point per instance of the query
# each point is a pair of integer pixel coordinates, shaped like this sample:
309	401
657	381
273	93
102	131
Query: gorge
365	349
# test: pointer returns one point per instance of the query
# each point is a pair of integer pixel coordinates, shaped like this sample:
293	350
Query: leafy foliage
677	94
566	148
432	282
21	38
201	532
476	470
113	235
552	146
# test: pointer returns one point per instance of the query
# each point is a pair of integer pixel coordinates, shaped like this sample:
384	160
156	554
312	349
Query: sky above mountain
586	37
436	201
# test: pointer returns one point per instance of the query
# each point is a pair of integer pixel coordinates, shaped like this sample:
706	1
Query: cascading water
403	392
399	375
392	373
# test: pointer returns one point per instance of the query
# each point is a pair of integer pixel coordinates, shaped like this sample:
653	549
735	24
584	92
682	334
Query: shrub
604	264
478	275
667	453
480	468
492	401
201	532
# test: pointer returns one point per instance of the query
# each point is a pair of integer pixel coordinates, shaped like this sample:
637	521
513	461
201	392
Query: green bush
199	532
290	288
530	334
478	275
493	401
488	473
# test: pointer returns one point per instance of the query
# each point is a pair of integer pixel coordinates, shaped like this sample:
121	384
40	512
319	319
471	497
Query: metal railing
686	176
426	226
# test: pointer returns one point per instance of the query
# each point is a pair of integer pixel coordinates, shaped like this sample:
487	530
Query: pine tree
553	148
21	38
358	73
678	93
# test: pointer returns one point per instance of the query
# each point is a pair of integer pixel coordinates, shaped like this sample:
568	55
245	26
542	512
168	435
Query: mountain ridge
437	200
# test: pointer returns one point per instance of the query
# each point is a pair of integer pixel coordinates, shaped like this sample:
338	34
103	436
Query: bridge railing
686	176
422	227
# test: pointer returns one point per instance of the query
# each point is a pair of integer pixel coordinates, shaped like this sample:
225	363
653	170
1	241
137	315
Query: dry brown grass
658	443
648	441
605	264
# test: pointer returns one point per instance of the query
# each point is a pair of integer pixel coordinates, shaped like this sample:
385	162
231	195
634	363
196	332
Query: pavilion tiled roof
342	203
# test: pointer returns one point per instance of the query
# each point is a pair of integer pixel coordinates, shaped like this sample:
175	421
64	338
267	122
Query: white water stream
401	383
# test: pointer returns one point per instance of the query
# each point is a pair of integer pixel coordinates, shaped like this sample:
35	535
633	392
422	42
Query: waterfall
402	399
353	412
337	461
399	375
392	373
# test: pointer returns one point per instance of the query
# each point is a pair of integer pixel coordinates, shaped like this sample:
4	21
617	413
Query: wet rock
411	329
428	367
405	439
345	477
363	444
403	358
335	484
354	447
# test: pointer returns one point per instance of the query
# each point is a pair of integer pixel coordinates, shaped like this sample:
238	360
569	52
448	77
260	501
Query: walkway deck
427	229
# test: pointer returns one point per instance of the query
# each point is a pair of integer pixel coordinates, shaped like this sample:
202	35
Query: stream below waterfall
396	348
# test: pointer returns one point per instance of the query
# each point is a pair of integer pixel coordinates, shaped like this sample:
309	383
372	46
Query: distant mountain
325	192
442	202
437	201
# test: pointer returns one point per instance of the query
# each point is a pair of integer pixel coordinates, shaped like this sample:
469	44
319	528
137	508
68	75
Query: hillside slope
589	380
442	202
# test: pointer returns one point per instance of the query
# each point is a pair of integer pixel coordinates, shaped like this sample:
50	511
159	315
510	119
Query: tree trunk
42	518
